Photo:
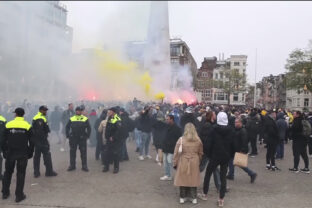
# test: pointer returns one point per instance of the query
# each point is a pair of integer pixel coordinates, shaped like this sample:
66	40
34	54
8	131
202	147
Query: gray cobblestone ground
137	185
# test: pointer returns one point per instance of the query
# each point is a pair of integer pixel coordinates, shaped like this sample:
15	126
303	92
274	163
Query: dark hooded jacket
296	130
222	146
281	126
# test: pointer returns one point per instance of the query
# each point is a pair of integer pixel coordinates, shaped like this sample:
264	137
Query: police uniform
17	149
41	130
78	130
2	128
112	148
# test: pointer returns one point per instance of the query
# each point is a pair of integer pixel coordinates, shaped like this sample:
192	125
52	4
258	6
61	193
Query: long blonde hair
190	133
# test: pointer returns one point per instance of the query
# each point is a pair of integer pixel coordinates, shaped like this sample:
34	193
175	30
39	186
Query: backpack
306	130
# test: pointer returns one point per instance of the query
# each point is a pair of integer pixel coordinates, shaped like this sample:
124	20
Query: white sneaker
165	178
194	201
141	158
182	201
62	149
157	160
148	156
159	163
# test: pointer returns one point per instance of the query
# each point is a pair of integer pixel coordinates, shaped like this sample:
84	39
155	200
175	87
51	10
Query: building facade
213	73
299	100
272	90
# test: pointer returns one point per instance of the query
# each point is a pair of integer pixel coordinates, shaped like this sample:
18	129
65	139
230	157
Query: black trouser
112	153
43	149
310	145
300	149
21	165
99	146
1	161
253	144
270	155
212	165
190	192
74	142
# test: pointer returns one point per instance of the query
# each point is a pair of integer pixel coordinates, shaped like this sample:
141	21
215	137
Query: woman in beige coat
187	163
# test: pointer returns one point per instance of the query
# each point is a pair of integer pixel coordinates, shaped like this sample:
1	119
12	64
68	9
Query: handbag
240	160
180	147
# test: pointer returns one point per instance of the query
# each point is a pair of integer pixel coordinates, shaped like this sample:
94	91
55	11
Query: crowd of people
189	139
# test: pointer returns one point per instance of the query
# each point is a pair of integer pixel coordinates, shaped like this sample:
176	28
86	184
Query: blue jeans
280	150
137	136
145	141
232	169
168	163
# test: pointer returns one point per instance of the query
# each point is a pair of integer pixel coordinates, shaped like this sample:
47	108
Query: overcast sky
209	28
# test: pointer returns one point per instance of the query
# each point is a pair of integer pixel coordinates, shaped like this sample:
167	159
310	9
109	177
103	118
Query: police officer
78	130
17	149
41	130
113	136
2	128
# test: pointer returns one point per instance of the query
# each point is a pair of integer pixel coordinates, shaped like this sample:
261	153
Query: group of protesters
187	138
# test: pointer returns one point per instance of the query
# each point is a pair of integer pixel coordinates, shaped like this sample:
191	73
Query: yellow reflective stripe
40	116
78	118
18	123
2	118
115	119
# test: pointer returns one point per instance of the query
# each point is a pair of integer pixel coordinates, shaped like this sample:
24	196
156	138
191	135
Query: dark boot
71	168
48	163
20	198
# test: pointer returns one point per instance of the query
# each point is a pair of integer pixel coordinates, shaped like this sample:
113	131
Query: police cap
19	111
43	107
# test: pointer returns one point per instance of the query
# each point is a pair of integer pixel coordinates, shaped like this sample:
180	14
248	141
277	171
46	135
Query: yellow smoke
124	76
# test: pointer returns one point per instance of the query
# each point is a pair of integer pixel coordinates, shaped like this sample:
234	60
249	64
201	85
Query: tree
299	69
233	82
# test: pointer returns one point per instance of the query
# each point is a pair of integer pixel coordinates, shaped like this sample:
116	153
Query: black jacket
188	118
270	130
145	122
296	130
78	127
159	132
253	126
241	140
173	134
222	146
17	141
205	135
40	130
114	130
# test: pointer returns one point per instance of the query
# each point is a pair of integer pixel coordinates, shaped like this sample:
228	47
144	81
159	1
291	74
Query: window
306	102
298	102
204	74
216	76
206	93
236	63
221	96
221	75
306	92
235	96
175	51
244	63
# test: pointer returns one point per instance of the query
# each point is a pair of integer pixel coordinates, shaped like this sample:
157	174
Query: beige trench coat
187	163
101	130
